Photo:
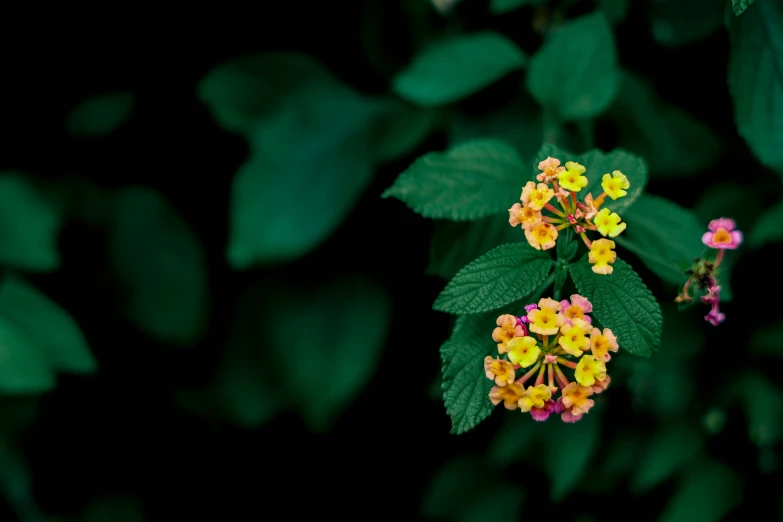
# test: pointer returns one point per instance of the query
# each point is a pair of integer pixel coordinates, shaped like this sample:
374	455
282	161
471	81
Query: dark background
122	432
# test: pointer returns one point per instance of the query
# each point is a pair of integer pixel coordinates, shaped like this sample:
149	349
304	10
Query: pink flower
722	234
578	308
530	307
713	295
542	414
715	317
549	169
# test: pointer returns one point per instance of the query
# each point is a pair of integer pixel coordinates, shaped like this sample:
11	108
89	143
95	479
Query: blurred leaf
768	228
675	23
739	6
309	163
568	452
48	325
756	79
100	115
575	72
615	10
597	164
566	246
503	275
465	384
400	128
706	495
505	6
469	181
622	302
664	235
519	124
668	450
671	141
242	92
456	67
114	509
767	340
29	226
161	267
763	402
734	200
326	371
455	244
464	490
24	368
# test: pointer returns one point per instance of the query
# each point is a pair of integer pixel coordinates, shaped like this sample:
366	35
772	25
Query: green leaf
324	373
166	291
768	228
465	384
100	115
504	6
469	181
465	490
399	128
503	275
675	23
46	324
667	451
309	163
575	73
597	164
457	67
29	226
24	368
455	244
519	124
739	6
763	401
664	235
566	246
705	495
242	92
622	303
671	141
567	463
756	80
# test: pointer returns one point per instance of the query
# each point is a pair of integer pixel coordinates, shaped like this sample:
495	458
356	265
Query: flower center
722	236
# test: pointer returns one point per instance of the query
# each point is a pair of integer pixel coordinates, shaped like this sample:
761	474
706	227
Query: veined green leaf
739	6
469	181
623	303
503	275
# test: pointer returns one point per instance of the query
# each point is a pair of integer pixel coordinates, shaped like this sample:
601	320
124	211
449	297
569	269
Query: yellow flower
546	319
536	197
534	397
613	185
589	370
575	399
498	370
573	337
523	351
541	236
602	343
608	223
525	216
509	395
571	178
601	255
507	329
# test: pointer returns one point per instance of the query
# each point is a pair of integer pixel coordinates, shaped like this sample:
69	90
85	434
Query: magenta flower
542	414
715	317
722	234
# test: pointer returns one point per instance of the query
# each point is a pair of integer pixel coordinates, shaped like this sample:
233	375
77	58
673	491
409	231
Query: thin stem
540	378
552	209
529	374
548	219
719	257
566	363
587	241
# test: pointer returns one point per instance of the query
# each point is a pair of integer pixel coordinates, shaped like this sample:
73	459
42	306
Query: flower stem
719	257
587	241
566	363
552	209
540	378
529	374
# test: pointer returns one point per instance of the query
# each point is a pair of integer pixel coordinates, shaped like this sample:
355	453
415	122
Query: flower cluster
563	337
562	184
722	235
